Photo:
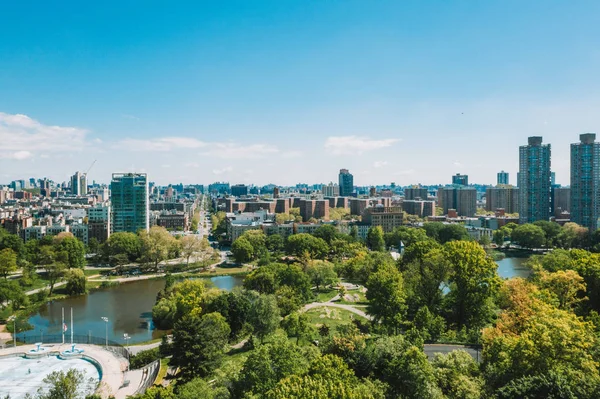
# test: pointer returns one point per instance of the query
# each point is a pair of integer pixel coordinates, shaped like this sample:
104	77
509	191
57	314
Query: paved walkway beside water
113	366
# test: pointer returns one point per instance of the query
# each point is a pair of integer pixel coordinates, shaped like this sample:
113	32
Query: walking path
330	304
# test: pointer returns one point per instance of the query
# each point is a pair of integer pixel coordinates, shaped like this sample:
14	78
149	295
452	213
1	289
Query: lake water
127	306
513	267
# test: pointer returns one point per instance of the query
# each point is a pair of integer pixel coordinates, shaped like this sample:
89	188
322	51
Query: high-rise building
79	184
502	178
534	181
561	201
346	181
585	181
462	199
502	197
330	190
414	193
239	190
129	200
463	180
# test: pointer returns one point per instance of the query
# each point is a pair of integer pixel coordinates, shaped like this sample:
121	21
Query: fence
149	375
112	346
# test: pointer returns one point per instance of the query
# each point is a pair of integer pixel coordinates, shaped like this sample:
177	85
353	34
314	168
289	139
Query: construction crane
88	171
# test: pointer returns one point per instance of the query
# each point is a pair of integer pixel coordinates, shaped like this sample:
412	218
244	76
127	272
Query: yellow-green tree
473	283
534	338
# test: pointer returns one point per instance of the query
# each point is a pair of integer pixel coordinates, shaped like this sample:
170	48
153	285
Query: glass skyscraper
502	178
346	183
534	181
129	200
585	181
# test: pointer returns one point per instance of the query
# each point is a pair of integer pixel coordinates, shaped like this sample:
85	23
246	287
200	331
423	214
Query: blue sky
291	91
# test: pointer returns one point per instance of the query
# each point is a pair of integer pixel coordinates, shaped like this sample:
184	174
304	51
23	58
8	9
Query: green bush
144	358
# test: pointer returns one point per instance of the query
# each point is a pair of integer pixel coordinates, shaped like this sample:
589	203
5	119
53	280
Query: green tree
124	243
76	282
242	250
328	378
458	375
156	244
275	243
453	232
473	283
321	274
297	325
8	262
425	280
264	316
267	365
74	250
303	243
199	344
551	231
375	240
387	298
533	338
200	389
403	366
429	326
191	245
529	236
63	385
14	242
326	232
553	385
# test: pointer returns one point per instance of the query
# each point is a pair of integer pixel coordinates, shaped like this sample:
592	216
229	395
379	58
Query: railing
112	346
149	375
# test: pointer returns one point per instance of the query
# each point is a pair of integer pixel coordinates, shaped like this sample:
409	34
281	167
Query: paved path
349	308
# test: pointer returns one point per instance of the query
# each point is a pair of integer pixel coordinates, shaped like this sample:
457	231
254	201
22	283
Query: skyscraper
346	183
129	199
585	181
462	180
79	184
534	181
502	177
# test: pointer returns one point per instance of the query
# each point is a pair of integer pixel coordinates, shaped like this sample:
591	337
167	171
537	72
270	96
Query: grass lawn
325	295
331	316
162	373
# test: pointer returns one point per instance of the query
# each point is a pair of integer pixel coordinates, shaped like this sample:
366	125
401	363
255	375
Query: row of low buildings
130	208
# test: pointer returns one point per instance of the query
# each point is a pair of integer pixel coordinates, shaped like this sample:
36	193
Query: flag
65	327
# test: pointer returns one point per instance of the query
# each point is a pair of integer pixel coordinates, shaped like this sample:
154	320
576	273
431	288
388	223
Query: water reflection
127	306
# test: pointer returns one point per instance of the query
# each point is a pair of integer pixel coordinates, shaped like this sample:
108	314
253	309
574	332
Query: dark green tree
199	344
375	240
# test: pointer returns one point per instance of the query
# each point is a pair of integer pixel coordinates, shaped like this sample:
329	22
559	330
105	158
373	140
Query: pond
127	306
513	267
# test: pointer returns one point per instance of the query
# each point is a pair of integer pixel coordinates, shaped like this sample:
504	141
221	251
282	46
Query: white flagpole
71	326
62	326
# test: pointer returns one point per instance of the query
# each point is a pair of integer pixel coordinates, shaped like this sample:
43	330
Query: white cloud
132	117
456	163
380	164
160	144
238	151
21	136
355	145
18	155
192	165
221	171
166	166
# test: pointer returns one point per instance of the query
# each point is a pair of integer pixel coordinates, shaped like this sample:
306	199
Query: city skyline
292	93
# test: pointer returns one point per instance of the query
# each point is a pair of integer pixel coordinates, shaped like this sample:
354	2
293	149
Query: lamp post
126	337
105	319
